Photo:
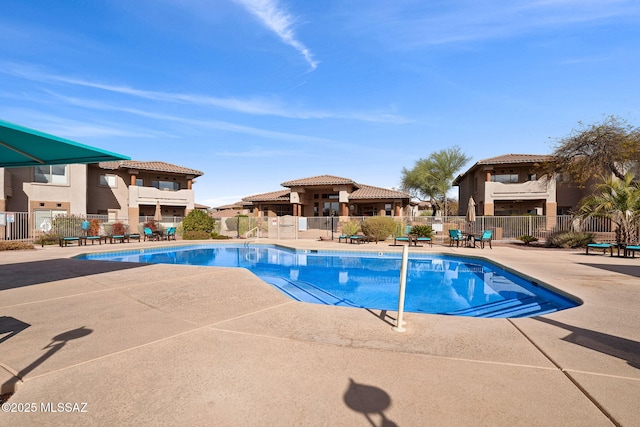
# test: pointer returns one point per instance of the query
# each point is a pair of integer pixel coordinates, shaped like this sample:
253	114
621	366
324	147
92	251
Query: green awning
21	146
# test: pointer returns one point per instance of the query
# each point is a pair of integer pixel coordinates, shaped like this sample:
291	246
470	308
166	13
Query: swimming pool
438	284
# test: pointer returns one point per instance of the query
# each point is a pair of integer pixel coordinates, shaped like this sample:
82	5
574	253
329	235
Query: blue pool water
435	283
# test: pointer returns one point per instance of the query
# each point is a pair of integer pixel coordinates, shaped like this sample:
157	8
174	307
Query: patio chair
171	233
455	235
148	234
484	237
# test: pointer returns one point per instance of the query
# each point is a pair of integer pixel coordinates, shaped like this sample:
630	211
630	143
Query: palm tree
619	201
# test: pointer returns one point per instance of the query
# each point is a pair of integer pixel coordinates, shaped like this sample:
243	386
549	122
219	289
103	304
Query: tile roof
363	192
154	166
505	160
274	196
515	158
369	192
318	180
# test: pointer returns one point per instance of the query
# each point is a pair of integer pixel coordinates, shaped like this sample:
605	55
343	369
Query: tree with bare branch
611	146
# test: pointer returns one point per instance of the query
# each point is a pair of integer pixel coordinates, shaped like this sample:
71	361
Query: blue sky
258	92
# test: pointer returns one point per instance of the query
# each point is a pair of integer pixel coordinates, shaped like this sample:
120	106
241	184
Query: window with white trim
109	180
50	174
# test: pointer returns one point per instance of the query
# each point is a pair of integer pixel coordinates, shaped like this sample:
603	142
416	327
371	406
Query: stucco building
328	195
510	185
123	190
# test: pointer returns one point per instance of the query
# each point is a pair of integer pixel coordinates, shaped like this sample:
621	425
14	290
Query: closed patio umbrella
158	214
471	213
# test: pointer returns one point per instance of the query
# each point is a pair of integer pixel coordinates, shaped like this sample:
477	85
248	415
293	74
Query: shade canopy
21	146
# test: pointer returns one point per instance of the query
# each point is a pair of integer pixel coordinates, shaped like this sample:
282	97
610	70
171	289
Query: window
139	182
108	180
332	196
50	174
330	208
387	209
43	218
166	185
505	178
282	210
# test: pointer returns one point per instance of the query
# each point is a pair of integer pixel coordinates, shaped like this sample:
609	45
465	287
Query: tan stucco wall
28	195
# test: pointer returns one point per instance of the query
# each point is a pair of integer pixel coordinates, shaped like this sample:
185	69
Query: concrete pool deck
167	345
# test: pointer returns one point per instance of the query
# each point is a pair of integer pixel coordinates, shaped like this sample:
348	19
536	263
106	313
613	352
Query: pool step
306	292
514	307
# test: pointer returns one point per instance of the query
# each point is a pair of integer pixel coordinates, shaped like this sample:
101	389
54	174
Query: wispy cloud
469	20
200	123
278	20
256	106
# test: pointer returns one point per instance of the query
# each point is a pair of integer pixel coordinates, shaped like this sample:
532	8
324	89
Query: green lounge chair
632	250
603	246
406	238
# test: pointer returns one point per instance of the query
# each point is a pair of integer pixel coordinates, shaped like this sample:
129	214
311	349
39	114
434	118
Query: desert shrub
569	239
70	225
399	229
350	227
151	224
217	236
241	223
421	230
10	245
94	227
48	239
118	229
196	235
378	227
526	239
198	220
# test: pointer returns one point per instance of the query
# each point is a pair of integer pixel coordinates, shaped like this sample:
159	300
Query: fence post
403	284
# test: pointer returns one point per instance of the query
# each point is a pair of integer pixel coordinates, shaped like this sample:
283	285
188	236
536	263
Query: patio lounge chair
133	236
64	241
484	237
455	236
406	238
423	240
603	246
632	250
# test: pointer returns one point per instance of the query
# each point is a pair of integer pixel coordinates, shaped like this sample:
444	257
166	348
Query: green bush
526	239
569	239
196	235
378	227
350	227
421	230
198	220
